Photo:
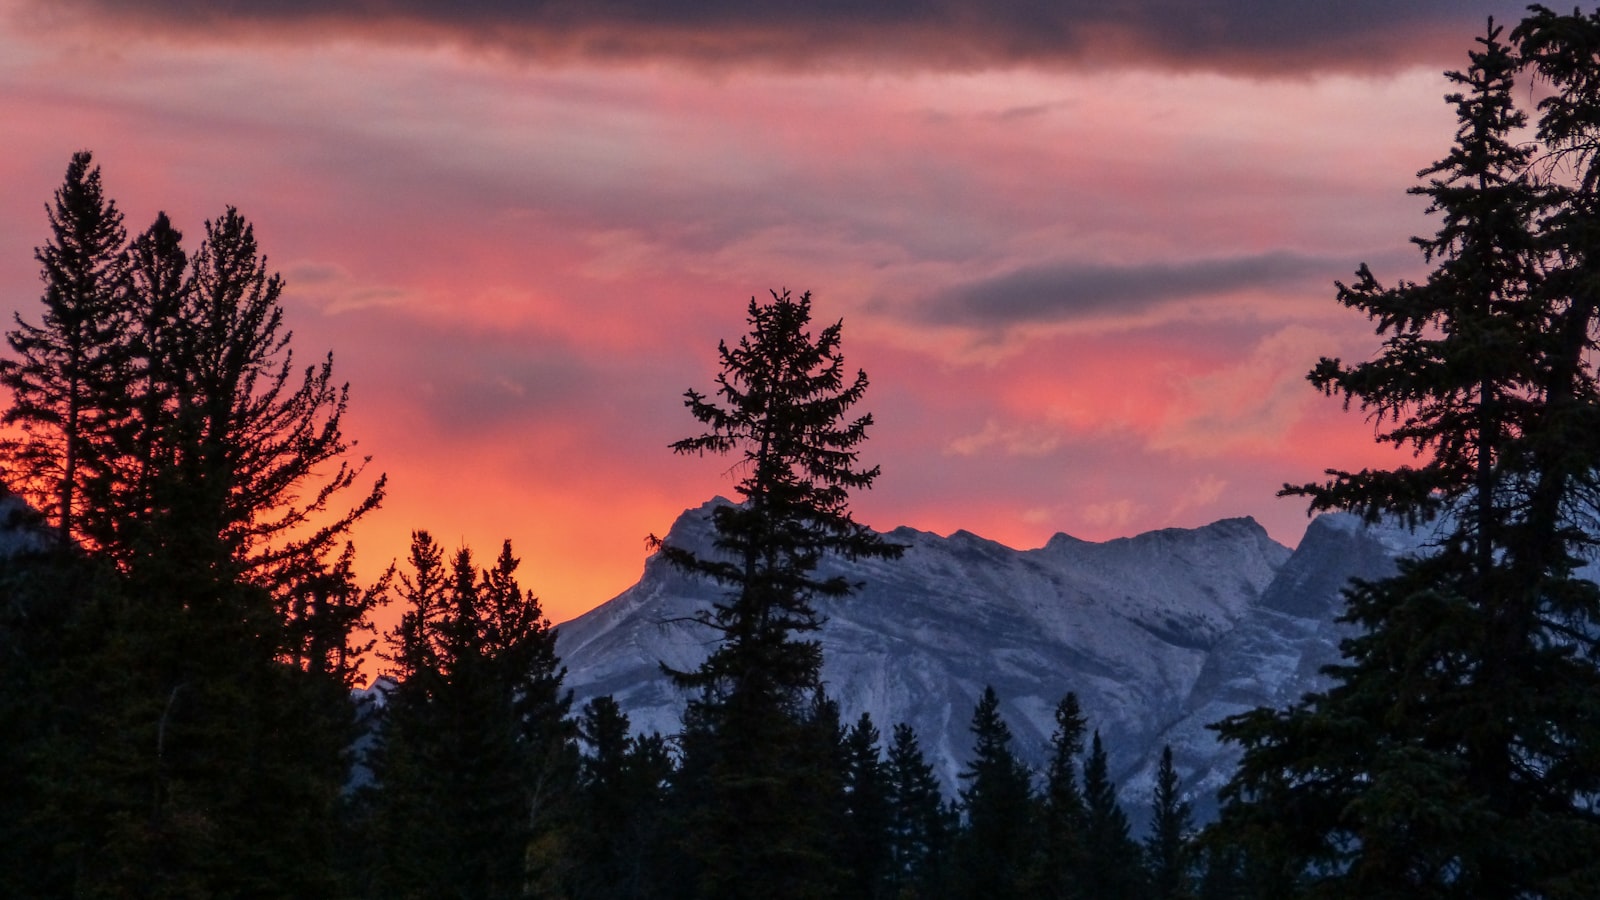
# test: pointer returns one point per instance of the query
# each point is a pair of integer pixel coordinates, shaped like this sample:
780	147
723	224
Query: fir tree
1454	755
864	839
249	431
997	840
152	299
214	656
618	826
782	404
475	762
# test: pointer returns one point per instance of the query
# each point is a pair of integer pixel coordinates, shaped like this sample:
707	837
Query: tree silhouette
997	840
1456	753
920	827
1063	816
63	365
475	761
1113	869
1168	858
782	405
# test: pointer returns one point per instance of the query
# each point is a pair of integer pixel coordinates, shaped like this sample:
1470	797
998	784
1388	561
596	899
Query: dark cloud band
1258	35
1067	292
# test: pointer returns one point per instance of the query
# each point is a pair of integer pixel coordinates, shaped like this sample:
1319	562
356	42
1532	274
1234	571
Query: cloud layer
1233	36
1072	291
1086	293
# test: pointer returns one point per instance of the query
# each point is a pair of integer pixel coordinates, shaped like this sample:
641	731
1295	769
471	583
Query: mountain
21	529
1159	635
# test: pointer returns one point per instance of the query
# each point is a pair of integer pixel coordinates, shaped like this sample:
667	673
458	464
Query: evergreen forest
184	638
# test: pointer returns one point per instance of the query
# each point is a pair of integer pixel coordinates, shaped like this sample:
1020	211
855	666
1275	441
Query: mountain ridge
1133	625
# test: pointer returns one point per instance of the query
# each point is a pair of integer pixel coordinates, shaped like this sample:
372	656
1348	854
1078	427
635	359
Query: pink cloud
521	267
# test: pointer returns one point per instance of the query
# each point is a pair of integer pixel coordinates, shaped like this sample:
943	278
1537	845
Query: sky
1085	251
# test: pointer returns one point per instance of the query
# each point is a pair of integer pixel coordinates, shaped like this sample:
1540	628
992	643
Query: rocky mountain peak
1130	625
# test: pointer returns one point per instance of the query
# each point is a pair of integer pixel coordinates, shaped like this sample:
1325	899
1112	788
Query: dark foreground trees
475	760
192	629
1457	753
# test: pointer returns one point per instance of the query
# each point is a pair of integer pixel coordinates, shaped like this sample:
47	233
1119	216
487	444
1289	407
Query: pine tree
1167	851
411	761
225	453
152	297
651	769
250	433
919	829
326	610
782	405
1455	753
62	363
997	841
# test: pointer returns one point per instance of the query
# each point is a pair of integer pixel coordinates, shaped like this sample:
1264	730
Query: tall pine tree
1113	871
224	770
782	406
864	839
620	817
1456	753
65	364
1063	816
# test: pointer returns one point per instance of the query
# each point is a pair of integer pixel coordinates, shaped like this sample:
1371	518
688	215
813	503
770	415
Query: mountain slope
1132	625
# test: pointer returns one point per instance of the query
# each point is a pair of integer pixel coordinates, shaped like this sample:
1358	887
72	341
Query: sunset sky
1085	251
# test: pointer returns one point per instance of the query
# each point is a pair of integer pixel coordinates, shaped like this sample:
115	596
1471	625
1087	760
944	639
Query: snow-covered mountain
1159	635
21	529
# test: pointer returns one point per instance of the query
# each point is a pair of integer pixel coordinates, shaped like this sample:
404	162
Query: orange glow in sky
1086	283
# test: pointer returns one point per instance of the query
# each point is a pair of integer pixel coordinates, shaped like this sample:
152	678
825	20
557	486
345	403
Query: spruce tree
998	837
152	298
782	405
1455	753
619	820
258	442
159	425
63	364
